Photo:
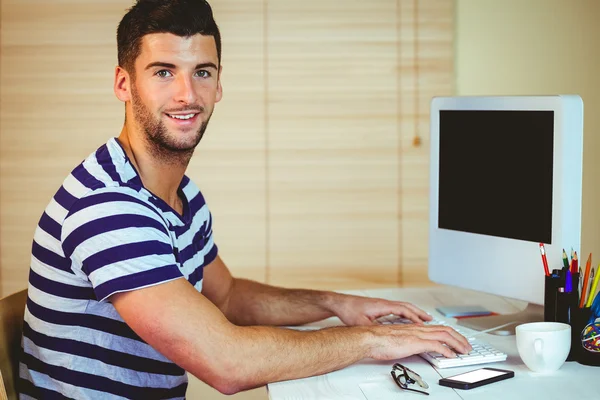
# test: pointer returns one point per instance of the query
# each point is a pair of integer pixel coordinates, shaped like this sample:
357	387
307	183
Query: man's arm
246	302
191	331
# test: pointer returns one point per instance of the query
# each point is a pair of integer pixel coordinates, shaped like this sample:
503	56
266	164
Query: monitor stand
505	323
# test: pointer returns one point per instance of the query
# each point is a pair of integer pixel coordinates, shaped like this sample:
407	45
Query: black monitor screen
496	173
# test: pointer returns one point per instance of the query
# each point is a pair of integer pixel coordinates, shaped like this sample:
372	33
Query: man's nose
186	92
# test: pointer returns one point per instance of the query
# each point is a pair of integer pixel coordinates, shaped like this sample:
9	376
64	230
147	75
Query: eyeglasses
405	376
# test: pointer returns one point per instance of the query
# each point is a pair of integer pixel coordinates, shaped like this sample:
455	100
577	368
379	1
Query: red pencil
544	260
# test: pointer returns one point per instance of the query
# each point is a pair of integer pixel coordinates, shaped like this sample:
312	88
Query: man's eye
203	74
163	73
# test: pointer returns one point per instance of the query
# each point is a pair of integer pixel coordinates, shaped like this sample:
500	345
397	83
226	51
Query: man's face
175	89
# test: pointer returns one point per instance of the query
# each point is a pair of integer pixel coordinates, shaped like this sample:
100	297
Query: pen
585	281
593	288
544	260
568	282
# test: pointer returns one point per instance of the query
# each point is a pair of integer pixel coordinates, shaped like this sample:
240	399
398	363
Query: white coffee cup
544	346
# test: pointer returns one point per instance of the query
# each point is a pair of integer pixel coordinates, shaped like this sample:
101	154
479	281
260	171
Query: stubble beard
163	147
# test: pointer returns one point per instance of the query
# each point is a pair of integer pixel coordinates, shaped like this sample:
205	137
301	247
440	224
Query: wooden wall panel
333	143
57	106
426	70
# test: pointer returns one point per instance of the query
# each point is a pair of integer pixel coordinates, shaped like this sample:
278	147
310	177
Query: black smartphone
479	377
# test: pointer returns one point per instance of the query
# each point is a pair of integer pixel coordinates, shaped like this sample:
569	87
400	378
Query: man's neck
159	177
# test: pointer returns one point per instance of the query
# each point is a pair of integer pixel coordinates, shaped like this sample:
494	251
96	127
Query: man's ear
219	95
122	84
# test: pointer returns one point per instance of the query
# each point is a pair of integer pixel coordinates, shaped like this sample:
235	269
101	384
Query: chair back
12	310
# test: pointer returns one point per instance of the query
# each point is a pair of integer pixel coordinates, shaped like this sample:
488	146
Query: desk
365	379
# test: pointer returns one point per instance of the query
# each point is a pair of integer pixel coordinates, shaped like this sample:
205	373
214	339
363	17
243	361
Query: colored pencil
544	259
585	281
593	288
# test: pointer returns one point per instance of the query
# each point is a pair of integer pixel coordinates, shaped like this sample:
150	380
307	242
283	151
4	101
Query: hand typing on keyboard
393	341
417	333
479	353
357	310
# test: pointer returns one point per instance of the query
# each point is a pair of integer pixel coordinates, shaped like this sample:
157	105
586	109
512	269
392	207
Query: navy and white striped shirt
104	233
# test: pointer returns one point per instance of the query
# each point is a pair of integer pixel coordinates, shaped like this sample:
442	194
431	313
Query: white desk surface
371	380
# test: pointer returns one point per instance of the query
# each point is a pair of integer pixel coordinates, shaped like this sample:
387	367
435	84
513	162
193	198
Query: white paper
380	389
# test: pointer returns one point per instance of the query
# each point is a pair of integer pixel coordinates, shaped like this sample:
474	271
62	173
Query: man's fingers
449	337
439	333
463	340
434	345
418	312
443	328
399	341
409	311
408	314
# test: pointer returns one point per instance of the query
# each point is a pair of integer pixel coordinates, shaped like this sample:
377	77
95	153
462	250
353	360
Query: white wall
521	47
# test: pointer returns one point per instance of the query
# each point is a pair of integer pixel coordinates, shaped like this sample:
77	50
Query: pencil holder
559	305
551	285
585	338
566	305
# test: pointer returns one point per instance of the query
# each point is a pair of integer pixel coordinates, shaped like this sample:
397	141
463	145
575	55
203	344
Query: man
127	291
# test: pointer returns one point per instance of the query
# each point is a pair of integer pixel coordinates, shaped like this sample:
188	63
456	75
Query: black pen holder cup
559	305
585	337
551	286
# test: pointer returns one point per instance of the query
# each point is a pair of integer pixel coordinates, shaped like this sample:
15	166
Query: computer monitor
506	175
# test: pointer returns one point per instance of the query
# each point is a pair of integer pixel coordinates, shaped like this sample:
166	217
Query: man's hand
398	341
390	342
356	310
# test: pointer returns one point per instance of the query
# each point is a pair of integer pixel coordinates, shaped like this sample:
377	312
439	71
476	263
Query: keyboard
482	352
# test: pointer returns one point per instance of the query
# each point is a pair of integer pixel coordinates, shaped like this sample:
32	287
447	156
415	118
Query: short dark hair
183	18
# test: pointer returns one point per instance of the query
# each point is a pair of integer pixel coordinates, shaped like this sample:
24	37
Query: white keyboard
481	353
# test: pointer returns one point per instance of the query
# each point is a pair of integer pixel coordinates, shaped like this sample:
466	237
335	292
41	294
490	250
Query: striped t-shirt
104	233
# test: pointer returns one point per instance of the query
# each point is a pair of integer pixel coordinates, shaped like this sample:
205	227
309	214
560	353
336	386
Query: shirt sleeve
120	242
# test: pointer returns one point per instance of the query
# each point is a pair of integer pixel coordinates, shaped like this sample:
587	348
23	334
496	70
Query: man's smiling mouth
182	116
